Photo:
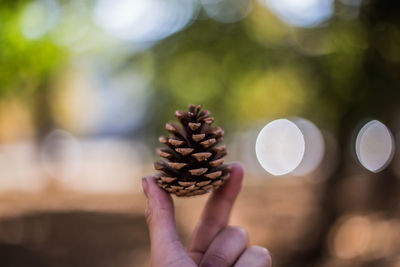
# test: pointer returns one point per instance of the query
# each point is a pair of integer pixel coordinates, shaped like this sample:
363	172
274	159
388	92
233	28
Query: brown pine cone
193	162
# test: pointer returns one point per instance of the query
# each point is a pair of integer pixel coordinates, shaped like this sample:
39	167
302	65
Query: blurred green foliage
245	72
24	63
259	68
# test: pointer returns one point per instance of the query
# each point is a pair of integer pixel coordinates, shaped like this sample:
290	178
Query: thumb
166	249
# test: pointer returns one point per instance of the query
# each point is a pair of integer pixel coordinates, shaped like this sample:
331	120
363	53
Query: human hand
213	242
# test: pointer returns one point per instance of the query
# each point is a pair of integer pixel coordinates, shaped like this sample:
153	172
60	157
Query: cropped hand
213	242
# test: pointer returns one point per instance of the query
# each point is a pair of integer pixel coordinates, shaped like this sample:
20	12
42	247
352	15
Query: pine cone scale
193	161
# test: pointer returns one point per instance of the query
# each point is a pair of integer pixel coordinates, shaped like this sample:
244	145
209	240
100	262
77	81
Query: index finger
216	213
166	249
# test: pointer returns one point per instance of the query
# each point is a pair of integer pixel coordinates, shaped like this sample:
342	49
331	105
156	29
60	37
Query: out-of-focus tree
26	61
259	67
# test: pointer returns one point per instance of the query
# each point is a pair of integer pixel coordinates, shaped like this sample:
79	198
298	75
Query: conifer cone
193	160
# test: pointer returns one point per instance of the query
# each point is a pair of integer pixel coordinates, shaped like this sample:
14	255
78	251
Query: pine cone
193	162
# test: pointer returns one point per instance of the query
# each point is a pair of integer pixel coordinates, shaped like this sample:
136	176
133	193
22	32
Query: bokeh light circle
351	237
374	146
280	147
314	147
227	11
305	13
39	17
144	21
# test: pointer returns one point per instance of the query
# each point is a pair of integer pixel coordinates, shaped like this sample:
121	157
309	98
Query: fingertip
237	171
154	194
236	177
233	185
261	252
145	186
151	181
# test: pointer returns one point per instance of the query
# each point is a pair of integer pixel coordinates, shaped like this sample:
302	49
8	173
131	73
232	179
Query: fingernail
145	185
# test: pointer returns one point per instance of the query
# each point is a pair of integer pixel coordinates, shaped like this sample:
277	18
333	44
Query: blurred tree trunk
41	110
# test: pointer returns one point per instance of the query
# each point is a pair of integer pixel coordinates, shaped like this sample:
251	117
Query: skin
213	243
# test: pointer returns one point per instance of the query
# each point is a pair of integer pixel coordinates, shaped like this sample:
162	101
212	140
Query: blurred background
86	88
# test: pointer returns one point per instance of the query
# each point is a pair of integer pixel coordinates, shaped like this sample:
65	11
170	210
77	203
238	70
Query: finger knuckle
238	231
149	215
178	262
261	253
215	260
156	211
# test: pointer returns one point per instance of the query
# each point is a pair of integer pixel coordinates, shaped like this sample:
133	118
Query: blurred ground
70	229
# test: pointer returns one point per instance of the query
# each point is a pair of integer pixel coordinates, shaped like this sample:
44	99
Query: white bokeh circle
374	146
280	147
314	147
